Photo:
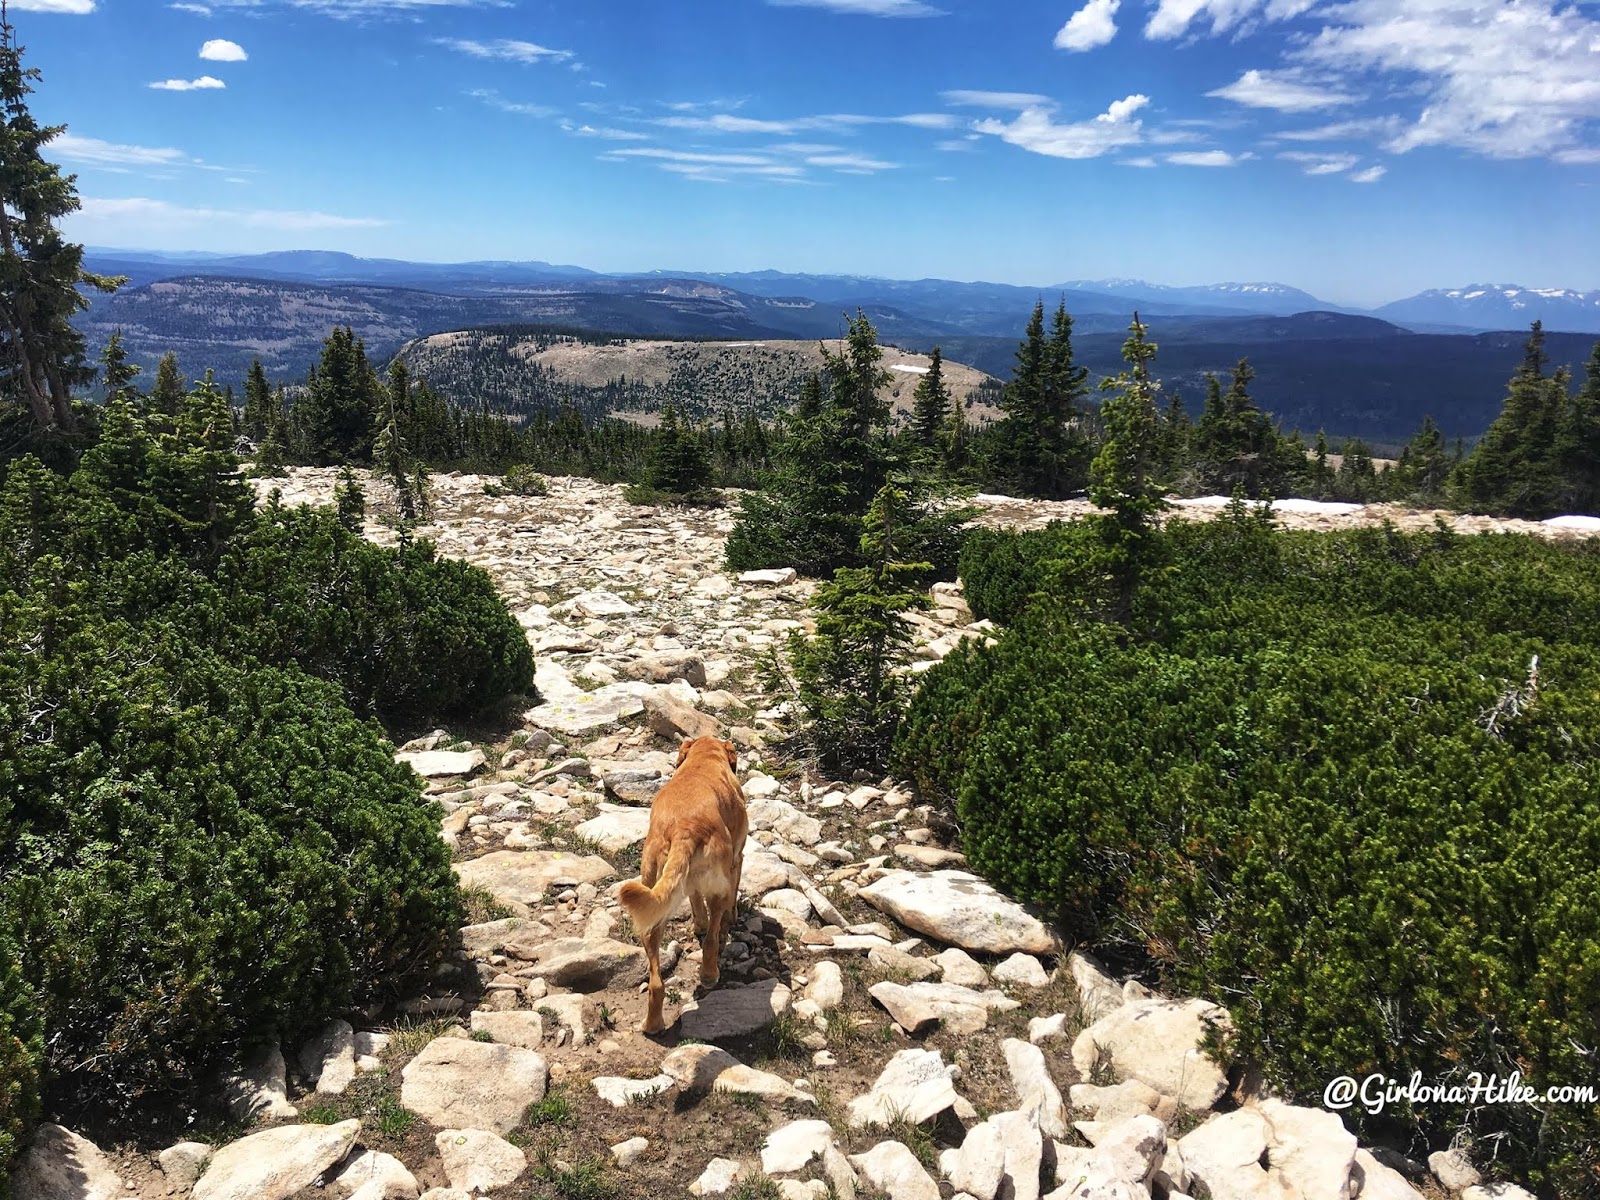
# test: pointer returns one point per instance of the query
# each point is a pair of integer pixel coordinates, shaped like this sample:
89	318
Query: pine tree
116	373
341	404
391	452
1236	445
1037	448
930	410
1425	463
1578	448
350	501
211	497
678	462
1123	479
258	402
850	684
41	354
166	398
1514	469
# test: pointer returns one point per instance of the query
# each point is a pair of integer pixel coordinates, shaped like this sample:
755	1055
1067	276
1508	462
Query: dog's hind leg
702	918
658	990
721	921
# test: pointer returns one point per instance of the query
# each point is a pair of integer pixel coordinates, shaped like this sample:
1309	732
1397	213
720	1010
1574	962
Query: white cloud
146	213
1313	163
1340	131
851	164
1264	89
1579	155
979	99
359	8
1370	175
76	8
1091	26
1205	158
694	156
507	49
495	100
222	50
1172	18
204	83
92	150
867	8
199	10
1503	78
729	123
1035	130
1142	161
606	132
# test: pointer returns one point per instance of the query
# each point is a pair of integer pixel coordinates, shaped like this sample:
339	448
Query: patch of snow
908	369
1471	295
1586	524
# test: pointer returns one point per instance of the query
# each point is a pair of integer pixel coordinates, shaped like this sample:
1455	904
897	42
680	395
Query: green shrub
523	480
197	853
20	1050
1316	779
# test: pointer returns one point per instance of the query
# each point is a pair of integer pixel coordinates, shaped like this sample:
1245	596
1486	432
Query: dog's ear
733	755
683	751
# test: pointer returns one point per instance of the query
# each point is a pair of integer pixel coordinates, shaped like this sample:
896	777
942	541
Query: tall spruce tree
41	354
258	402
167	396
1236	446
116	372
1124	479
1425	463
340	406
1578	445
1515	470
930	410
1038	448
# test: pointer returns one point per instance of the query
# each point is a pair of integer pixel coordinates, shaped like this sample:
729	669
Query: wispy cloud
506	49
355	8
1266	89
1036	130
76	8
1206	158
867	8
222	50
1092	26
145	212
605	132
1314	163
199	10
203	84
1370	175
496	101
1340	131
979	99
1172	18
100	153
731	123
694	156
851	164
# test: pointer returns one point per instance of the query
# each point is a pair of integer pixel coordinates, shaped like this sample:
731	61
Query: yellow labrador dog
696	847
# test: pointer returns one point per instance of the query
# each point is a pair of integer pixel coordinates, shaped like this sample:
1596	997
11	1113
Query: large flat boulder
522	877
959	909
616	828
442	764
733	1012
276	1164
590	964
1161	1043
460	1084
918	1007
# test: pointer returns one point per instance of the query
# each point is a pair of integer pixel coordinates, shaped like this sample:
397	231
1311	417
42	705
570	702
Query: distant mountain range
1444	352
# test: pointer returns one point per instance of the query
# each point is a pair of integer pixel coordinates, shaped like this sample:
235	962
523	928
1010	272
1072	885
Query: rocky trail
886	1024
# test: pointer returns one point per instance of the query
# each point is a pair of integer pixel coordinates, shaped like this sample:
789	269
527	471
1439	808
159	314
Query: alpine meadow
799	707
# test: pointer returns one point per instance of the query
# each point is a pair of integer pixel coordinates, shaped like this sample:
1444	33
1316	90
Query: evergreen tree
1123	479
1357	477
390	451
1578	446
258	401
41	354
342	400
350	501
930	410
849	674
1177	437
166	398
1236	445
1038	450
1425	463
116	373
1515	469
678	462
208	491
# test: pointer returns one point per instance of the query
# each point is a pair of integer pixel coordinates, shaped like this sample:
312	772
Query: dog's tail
650	906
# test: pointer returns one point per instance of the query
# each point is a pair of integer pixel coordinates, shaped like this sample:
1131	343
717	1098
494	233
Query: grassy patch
481	906
410	1035
581	1180
756	1187
554	1110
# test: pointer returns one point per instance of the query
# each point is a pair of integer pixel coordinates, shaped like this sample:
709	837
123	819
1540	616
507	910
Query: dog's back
695	844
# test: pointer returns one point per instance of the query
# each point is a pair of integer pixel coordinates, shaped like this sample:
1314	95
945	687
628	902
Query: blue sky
1361	149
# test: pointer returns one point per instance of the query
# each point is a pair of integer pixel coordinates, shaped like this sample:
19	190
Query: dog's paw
709	978
650	1027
